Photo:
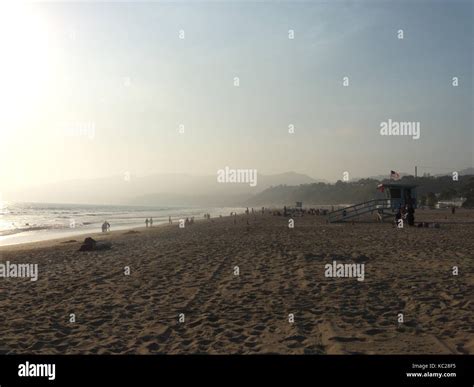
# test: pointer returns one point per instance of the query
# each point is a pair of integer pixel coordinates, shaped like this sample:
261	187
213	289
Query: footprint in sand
250	344
259	328
297	338
374	331
343	339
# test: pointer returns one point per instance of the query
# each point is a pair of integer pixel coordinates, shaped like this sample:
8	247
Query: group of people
149	222
188	221
406	212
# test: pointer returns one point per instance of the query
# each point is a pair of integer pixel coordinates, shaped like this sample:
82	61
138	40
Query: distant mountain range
186	190
156	190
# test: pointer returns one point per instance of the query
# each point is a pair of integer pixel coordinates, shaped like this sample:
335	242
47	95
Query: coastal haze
237	178
97	90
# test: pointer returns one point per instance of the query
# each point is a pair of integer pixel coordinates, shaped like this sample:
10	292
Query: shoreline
44	234
98	235
55	240
79	238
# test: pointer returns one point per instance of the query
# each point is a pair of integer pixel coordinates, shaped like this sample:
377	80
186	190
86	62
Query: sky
101	88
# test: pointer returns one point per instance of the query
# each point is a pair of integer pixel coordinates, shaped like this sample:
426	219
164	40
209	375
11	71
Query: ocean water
31	222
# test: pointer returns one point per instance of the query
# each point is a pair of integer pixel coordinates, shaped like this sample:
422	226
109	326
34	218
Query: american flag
394	175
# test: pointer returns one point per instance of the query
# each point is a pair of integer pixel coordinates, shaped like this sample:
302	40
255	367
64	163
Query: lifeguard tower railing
359	209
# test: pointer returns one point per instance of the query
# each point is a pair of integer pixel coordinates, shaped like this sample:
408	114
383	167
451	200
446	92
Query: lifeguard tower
388	199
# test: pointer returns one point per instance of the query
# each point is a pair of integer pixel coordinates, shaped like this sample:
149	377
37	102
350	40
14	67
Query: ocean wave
23	229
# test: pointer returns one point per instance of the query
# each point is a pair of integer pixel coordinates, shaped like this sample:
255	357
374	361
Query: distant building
456	202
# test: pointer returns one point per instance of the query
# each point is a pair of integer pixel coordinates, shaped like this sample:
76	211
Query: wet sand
190	273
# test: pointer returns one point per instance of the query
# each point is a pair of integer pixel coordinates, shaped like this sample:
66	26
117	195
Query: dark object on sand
92	245
131	232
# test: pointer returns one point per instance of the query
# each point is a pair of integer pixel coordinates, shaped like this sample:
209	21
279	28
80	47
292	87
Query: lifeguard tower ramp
392	197
356	210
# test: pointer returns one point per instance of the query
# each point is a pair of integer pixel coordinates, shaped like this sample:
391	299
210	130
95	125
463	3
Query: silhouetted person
105	226
151	222
146	222
411	215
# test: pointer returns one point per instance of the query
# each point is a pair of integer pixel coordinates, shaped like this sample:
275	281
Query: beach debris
92	245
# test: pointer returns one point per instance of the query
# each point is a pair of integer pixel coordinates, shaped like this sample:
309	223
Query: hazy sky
98	89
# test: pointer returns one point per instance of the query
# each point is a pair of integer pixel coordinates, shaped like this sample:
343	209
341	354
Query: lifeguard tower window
395	193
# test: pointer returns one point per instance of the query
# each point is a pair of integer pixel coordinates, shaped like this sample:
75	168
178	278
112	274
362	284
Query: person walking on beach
105	226
146	222
151	222
169	220
411	215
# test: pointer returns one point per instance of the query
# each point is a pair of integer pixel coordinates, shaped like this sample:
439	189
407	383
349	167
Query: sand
190	273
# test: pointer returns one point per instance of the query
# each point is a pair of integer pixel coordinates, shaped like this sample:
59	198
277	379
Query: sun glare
25	65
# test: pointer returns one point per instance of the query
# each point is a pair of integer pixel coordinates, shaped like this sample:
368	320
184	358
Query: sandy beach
183	294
